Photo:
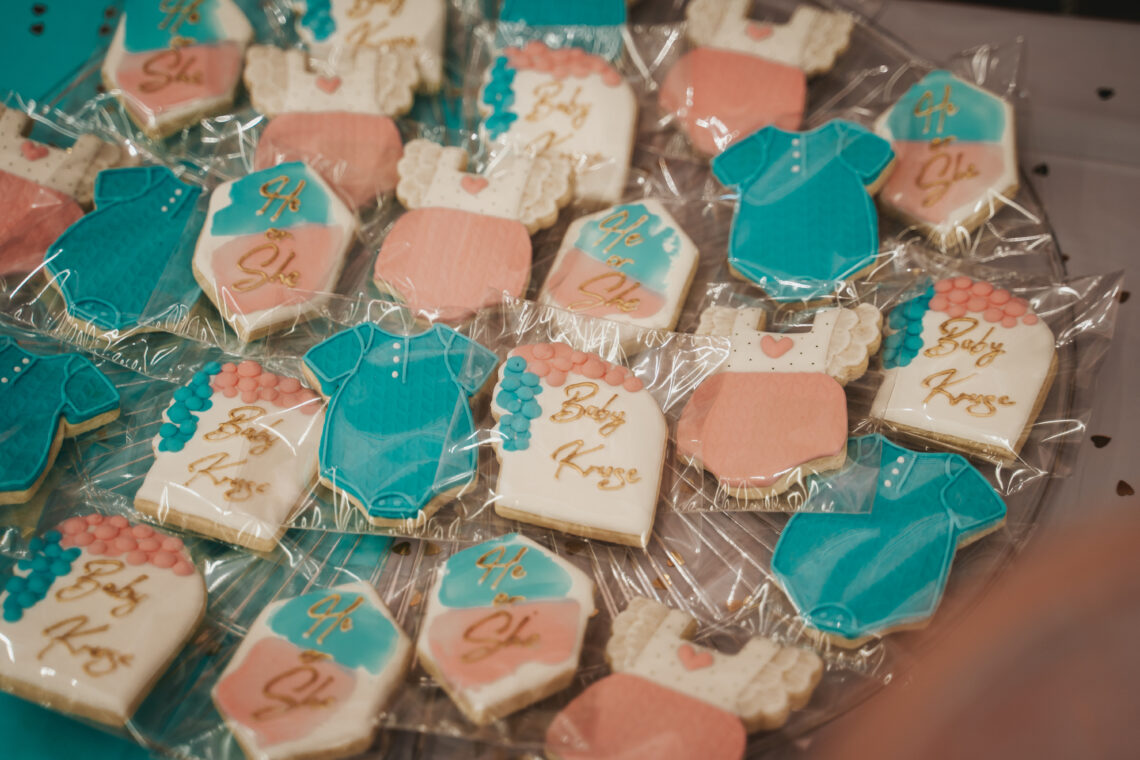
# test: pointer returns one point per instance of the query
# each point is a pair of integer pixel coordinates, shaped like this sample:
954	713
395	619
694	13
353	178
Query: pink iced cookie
720	96
31	218
626	717
451	263
355	153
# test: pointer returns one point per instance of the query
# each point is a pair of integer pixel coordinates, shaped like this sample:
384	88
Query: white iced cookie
776	412
966	364
172	63
761	684
272	248
94	615
236	453
313	674
465	240
329	28
630	263
811	39
565	102
581	444
504	625
364	81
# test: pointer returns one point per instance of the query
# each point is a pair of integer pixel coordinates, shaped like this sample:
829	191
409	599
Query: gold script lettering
977	404
100	661
274	190
495	632
610	478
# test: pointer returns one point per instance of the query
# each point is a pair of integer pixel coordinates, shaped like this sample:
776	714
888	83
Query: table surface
1082	154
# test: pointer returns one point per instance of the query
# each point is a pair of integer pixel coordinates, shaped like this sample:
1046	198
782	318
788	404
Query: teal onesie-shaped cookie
108	264
38	395
398	432
865	573
805	222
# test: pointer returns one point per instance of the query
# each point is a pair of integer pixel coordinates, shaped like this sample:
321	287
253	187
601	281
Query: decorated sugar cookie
45	189
44	399
581	444
95	613
777	411
313	674
355	153
744	75
465	240
375	82
272	248
567	103
957	161
682	699
631	263
173	63
329	28
806	220
236	452
108	265
398	438
854	576
504	625
966	364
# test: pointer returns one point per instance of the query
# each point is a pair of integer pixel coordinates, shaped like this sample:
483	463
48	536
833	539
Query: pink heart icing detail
328	84
758	31
776	348
692	659
33	151
474	185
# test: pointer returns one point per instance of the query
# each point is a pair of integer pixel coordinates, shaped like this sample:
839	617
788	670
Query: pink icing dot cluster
554	361
562	63
255	384
138	544
958	295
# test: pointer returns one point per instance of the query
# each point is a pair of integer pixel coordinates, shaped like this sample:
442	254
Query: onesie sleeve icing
469	362
117	184
332	359
87	392
867	154
743	160
973	503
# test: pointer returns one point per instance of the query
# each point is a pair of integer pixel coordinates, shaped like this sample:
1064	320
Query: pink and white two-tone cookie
581	444
777	411
465	241
235	454
95	613
681	699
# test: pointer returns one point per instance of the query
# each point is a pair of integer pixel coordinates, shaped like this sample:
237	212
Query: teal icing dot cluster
905	342
47	562
194	397
518	389
499	94
318	19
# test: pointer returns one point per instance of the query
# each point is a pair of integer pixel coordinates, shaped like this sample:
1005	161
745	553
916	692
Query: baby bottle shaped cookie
567	103
966	364
777	411
465	240
743	75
